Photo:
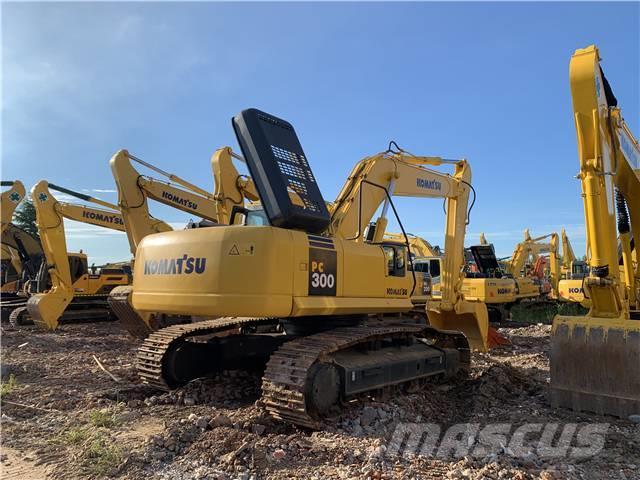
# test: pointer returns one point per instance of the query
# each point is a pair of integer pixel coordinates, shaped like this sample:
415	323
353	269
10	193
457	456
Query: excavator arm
594	358
47	307
134	190
568	256
10	200
373	182
530	247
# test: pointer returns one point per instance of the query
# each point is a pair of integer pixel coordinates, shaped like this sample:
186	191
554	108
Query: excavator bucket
595	365
46	308
470	318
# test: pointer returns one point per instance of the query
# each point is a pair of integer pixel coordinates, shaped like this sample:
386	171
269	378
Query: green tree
25	217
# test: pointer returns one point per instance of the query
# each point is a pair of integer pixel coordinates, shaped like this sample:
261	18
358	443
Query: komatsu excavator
228	204
573	272
11	267
595	359
520	265
307	294
10	200
74	290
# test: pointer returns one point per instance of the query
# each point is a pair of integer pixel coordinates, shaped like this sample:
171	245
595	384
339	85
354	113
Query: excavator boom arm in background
134	190
46	308
10	200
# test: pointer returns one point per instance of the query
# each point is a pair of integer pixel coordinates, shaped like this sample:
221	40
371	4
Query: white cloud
100	190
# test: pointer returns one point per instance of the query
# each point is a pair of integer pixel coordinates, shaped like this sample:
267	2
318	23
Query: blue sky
484	81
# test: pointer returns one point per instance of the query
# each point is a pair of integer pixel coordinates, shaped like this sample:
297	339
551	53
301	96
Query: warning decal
243	249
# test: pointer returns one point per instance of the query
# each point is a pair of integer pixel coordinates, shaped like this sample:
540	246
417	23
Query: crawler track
284	384
153	353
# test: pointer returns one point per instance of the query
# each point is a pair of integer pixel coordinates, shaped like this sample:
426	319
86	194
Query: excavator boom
595	359
10	200
46	308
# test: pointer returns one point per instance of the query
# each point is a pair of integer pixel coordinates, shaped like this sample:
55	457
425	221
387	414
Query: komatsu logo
575	290
428	184
102	217
185	202
175	266
397	291
504	291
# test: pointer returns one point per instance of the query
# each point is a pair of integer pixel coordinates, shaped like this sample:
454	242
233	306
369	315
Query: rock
258	429
189	401
243	476
158	455
135	403
279	454
125	417
220	420
634	418
368	416
192	417
202	423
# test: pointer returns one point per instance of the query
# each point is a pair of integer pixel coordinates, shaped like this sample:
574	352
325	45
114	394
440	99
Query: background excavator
425	262
11	265
310	293
22	253
522	266
67	286
595	358
572	274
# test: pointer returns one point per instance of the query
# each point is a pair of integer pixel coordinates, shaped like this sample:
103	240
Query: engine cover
278	165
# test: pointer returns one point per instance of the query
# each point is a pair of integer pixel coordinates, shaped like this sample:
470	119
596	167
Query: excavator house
316	297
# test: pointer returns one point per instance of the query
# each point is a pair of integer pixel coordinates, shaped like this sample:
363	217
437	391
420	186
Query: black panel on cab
278	165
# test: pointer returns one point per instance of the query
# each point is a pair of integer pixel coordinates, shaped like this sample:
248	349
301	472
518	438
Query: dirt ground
64	417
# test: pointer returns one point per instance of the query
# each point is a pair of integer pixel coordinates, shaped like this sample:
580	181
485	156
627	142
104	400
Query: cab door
398	280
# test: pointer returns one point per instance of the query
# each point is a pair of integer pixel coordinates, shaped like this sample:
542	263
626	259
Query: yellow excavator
11	266
572	275
310	293
595	358
71	287
9	201
521	265
233	201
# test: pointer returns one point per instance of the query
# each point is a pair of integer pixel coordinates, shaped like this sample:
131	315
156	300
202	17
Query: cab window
395	257
434	267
